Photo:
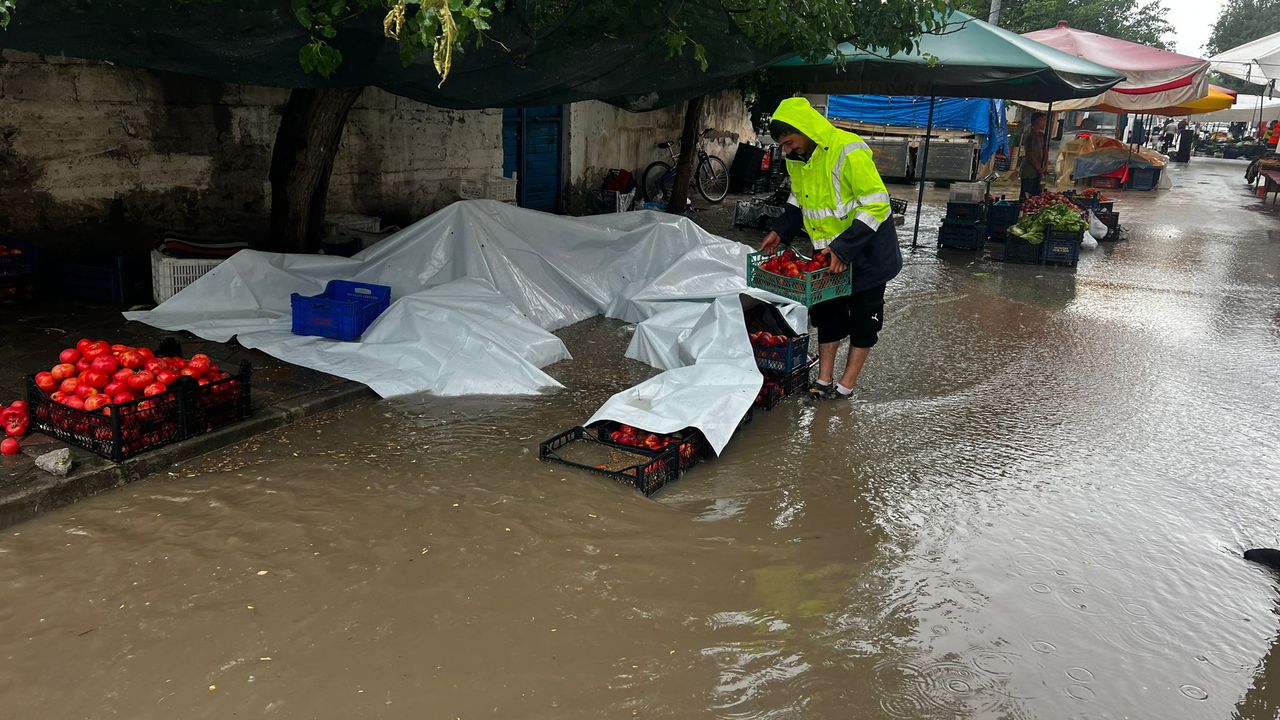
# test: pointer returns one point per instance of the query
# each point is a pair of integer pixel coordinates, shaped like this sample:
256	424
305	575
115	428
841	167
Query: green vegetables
1058	217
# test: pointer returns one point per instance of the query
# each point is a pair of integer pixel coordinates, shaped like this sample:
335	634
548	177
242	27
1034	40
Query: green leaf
302	12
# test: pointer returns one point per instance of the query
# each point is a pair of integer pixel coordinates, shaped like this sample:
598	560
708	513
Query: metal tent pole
1048	132
924	166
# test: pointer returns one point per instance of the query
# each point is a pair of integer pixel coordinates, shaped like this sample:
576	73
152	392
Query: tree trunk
688	155
301	163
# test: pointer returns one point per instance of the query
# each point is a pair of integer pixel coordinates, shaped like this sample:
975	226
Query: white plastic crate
169	275
467	189
501	188
967	192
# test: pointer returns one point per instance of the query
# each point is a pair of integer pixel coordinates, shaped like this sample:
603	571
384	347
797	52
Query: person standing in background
1034	157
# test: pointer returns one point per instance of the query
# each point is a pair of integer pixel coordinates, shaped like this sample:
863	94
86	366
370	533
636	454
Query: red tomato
140	380
147	355
203	381
154	366
82	344
69	385
96	402
58	396
118	348
132	359
115	387
69	355
45	381
106	364
123	397
84	390
187	372
168	377
84	364
95	349
95	379
121	375
75	403
20	406
155	389
10	446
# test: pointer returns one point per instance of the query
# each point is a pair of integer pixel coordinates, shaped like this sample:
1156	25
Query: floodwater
1035	509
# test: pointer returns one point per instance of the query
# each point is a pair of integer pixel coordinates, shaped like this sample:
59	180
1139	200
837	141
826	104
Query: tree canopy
1239	22
1132	20
439	29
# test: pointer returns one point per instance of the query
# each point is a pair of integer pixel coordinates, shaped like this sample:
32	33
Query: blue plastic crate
343	311
783	358
1144	178
1062	247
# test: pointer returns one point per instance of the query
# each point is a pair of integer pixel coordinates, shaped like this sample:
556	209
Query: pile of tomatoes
14	421
631	437
96	375
790	264
762	339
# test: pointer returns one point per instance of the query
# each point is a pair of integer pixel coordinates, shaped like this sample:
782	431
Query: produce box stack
17	273
1001	215
1049	232
783	360
965	224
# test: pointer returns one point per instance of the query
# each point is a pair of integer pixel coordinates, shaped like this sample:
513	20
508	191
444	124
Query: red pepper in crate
15	419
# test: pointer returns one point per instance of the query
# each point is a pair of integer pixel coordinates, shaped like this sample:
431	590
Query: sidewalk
30	341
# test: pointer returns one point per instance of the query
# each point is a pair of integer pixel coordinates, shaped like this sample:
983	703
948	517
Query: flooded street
1034	509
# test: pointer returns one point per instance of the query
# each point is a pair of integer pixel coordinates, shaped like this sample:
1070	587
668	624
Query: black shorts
859	317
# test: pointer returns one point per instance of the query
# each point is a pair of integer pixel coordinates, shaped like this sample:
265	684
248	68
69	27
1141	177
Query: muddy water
1035	509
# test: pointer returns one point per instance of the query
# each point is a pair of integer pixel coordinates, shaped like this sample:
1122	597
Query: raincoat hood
799	114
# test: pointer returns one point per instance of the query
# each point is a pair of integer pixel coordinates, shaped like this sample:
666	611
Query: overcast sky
1192	21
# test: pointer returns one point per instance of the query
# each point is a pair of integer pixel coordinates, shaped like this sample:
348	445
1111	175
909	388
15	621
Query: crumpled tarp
477	289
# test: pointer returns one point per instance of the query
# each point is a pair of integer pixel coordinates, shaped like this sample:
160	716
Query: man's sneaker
821	392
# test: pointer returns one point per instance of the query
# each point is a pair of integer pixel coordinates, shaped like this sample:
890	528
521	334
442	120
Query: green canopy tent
965	58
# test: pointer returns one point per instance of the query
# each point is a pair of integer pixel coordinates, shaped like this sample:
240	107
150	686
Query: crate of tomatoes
778	353
645	468
808	281
118	401
780	386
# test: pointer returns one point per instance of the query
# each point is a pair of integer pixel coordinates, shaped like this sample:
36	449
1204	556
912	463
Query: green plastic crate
808	290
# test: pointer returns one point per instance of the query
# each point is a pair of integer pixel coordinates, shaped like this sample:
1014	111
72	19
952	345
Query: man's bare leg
827	362
853	366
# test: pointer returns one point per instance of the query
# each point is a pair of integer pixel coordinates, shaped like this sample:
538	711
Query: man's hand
836	265
770	243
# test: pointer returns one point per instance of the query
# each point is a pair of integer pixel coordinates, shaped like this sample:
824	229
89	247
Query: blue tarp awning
982	117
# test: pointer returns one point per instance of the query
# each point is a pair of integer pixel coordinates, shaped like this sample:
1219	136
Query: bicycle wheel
652	182
713	179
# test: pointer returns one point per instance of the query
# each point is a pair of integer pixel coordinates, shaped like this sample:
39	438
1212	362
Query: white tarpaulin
476	290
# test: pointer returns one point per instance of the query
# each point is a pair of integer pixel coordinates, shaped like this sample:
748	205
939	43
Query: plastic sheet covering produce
477	289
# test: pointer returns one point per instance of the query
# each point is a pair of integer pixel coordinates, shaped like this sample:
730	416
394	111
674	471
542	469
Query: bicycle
710	175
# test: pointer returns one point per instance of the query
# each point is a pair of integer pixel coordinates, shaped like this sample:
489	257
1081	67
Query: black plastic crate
777	388
783	358
129	429
898	206
221	402
972	212
1144	178
18	289
16	258
690	445
121	279
119	432
1017	250
1061	247
1003	214
962	236
1110	219
645	470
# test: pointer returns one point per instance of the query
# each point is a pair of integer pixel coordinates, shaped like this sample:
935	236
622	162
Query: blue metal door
532	144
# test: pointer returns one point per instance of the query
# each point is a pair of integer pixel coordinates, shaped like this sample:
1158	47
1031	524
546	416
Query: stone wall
602	136
92	153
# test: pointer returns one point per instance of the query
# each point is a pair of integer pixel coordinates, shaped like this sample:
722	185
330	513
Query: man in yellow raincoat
838	198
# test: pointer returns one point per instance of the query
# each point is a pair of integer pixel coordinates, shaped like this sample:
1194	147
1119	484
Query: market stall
968	58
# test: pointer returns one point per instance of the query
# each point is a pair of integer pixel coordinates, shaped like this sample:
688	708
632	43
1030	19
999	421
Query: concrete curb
33	499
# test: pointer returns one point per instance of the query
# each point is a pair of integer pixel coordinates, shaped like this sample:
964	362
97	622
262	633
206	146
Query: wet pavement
1035	508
